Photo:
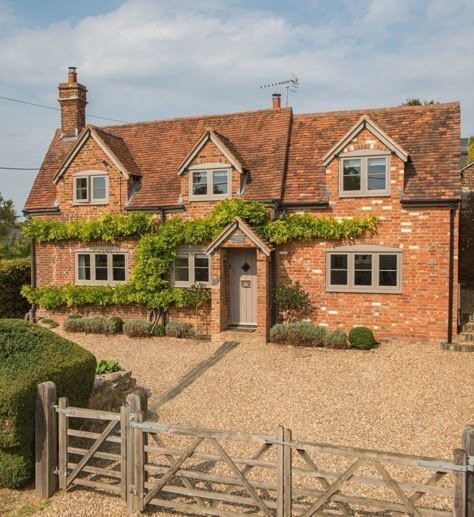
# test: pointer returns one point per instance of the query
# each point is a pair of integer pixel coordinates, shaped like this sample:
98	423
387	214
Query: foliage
159	330
307	227
362	338
180	329
156	249
29	355
417	102
7	216
107	366
73	324
292	301
115	325
196	297
12	243
470	150
138	328
298	333
336	339
14	274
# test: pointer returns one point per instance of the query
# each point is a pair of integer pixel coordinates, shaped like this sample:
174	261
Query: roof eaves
364	123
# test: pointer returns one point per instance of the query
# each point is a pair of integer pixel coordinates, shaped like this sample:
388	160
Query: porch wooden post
46	440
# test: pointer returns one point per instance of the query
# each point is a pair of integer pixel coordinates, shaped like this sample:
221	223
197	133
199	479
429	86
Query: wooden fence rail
224	473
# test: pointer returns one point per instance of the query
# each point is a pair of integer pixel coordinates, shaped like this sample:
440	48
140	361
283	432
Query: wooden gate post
284	476
46	440
468	446
459	495
135	466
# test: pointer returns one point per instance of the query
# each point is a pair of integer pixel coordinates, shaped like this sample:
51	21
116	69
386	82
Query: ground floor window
101	267
191	266
363	269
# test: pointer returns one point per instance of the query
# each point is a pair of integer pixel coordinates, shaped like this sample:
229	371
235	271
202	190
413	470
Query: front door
243	286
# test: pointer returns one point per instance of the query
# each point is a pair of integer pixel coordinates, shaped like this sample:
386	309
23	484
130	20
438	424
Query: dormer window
91	187
209	183
364	175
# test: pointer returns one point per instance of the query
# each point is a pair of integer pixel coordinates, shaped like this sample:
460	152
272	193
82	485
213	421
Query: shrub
30	354
159	330
13	275
362	338
96	325
73	324
299	333
336	339
137	328
115	325
279	333
107	366
293	301
75	316
180	329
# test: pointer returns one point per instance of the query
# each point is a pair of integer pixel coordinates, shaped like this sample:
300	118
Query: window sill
97	284
362	291
208	198
90	203
185	285
363	194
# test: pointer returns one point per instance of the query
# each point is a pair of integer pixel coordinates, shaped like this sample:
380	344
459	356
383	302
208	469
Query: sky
152	59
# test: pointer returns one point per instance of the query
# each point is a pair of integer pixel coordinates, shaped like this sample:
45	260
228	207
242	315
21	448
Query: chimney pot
72	75
276	101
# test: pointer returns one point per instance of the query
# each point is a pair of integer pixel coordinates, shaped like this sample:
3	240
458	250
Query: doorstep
241	334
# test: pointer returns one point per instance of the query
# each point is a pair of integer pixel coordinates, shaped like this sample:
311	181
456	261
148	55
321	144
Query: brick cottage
401	164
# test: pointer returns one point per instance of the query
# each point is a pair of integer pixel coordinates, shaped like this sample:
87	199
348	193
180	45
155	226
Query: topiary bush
115	325
279	333
13	275
336	339
138	328
180	329
362	338
29	355
159	330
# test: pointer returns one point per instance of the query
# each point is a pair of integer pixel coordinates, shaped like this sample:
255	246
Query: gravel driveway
413	399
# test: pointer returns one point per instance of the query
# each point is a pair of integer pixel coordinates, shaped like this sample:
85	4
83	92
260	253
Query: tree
12	243
7	216
417	102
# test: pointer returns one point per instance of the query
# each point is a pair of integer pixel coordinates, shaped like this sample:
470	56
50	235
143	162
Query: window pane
338	270
200	183
83	267
388	270
181	268
101	267
362	269
99	187
377	173
219	182
201	268
118	268
81	189
351	175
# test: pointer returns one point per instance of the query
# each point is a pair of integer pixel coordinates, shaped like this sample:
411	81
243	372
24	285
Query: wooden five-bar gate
197	471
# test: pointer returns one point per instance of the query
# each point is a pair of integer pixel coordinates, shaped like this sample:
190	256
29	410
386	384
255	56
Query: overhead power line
57	109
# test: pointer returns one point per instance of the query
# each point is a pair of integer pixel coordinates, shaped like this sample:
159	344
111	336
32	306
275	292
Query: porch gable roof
239	224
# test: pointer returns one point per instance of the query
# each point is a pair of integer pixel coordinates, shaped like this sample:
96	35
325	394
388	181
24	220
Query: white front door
243	286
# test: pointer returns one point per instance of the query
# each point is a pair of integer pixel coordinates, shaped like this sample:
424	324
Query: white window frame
190	252
364	155
375	252
210	168
89	176
92	252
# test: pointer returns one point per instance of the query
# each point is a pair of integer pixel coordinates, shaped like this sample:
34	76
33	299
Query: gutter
40	211
161	209
319	205
452	202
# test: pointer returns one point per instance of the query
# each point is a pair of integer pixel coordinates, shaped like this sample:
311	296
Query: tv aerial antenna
290	85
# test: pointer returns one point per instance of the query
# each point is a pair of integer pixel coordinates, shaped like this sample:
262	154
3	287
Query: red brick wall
466	235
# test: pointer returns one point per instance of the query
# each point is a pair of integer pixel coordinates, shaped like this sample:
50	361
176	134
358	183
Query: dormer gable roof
365	123
221	143
239	224
113	146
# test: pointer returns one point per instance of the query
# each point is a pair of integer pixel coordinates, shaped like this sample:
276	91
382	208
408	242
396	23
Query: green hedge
29	355
13	275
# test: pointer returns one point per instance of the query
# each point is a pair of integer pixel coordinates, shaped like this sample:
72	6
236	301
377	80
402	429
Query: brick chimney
276	101
73	100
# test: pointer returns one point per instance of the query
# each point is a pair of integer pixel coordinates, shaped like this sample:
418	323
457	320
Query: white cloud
148	60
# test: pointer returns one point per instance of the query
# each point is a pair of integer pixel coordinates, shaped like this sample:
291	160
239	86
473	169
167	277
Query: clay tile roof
120	150
429	134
